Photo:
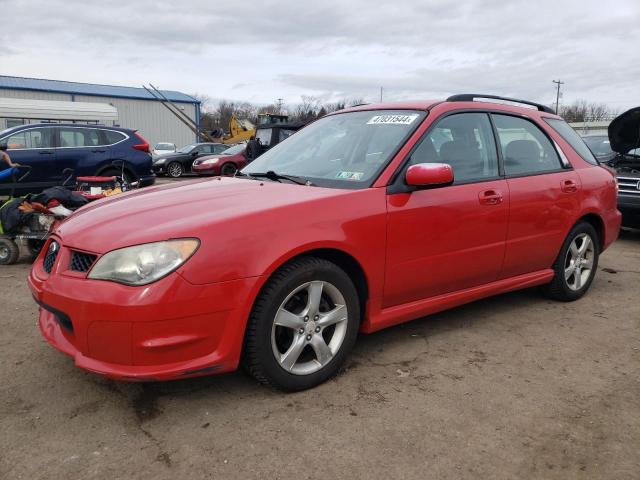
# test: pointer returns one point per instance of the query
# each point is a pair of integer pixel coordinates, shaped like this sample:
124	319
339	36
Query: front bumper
167	330
629	206
206	169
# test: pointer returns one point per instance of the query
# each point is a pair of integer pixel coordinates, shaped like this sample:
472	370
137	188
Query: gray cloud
278	48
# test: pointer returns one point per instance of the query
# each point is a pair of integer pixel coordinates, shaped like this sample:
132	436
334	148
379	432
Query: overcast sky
259	51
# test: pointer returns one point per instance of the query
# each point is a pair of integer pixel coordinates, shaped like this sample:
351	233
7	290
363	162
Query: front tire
302	326
576	264
175	169
228	170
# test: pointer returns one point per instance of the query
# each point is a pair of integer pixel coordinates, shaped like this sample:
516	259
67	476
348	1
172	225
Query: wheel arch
597	223
343	259
109	166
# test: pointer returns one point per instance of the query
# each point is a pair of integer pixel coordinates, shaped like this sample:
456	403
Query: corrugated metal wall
154	122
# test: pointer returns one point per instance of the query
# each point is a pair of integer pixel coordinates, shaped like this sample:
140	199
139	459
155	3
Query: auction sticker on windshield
392	119
350	175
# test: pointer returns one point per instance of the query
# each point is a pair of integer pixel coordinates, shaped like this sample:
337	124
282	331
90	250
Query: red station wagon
366	218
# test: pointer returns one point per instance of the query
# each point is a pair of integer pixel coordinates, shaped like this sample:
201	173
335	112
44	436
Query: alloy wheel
309	327
174	170
578	265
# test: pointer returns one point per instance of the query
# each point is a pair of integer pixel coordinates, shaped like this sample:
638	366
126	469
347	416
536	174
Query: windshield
186	148
347	150
599	145
235	149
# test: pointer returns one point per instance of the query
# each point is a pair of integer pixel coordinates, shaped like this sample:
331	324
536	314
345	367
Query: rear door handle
45	152
490	197
569	186
98	151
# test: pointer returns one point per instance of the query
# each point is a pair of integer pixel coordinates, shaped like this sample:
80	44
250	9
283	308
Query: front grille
50	257
629	186
81	262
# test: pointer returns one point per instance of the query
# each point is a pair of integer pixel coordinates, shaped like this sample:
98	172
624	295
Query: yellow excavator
242	130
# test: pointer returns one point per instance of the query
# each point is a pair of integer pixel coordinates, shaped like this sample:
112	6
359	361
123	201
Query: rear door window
79	137
525	148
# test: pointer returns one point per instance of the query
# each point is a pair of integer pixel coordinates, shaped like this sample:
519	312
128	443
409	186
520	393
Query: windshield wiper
276	177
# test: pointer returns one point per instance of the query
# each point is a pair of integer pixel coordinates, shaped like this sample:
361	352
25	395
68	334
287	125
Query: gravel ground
515	386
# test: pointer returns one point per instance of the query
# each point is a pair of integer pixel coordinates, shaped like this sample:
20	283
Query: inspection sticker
392	119
350	175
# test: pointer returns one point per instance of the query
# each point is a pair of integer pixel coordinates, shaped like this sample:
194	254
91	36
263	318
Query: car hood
624	131
181	209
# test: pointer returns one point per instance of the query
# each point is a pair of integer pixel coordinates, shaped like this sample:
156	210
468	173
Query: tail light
143	146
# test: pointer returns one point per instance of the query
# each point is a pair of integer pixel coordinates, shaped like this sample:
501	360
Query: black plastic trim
470	97
62	318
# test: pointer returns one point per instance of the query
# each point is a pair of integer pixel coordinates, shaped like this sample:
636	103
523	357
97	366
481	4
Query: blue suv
87	149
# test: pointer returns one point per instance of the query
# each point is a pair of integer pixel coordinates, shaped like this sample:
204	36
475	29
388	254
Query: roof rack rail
469	97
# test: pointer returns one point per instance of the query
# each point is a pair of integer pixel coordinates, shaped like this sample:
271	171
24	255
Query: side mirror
195	153
3	147
425	175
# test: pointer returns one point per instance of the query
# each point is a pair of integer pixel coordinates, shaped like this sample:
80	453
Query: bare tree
583	111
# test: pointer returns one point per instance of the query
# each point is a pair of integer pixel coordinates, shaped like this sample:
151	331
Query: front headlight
209	161
160	161
143	264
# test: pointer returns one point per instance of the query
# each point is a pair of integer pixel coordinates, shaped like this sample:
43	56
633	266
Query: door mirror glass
429	175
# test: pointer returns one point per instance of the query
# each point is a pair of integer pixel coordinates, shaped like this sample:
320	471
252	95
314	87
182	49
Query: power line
557	82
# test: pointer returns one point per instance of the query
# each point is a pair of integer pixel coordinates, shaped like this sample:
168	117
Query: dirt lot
511	387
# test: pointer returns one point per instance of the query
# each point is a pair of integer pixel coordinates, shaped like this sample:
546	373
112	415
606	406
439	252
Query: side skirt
380	318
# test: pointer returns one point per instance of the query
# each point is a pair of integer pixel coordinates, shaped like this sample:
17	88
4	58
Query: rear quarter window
572	138
113	136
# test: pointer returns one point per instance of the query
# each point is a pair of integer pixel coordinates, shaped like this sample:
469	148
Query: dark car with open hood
624	138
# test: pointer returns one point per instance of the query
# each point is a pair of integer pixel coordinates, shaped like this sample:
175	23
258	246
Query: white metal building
33	100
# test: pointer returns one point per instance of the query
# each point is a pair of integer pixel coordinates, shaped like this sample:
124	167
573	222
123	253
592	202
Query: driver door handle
569	186
490	197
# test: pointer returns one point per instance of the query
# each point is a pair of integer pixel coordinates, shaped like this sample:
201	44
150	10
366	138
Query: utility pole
558	83
380	94
279	104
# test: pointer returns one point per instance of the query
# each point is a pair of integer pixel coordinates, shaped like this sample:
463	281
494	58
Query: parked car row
178	163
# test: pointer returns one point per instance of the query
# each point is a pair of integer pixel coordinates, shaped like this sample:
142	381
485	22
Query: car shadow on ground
144	397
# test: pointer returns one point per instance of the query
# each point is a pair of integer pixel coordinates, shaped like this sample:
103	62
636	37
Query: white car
163	147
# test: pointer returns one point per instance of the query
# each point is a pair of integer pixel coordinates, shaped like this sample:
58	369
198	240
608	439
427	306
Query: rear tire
112	172
175	170
302	326
576	264
9	251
